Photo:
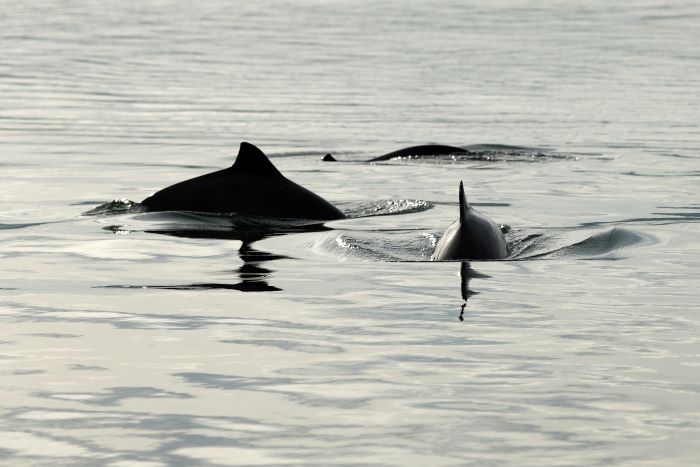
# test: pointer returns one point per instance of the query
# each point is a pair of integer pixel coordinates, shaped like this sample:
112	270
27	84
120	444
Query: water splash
113	208
418	245
384	207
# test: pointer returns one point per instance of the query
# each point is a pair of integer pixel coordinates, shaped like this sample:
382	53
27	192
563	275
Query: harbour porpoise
251	186
425	150
472	237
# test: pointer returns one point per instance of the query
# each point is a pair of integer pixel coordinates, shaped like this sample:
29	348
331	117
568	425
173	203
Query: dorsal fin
463	205
252	159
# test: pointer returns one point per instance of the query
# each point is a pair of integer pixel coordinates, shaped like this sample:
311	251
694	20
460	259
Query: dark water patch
55	335
686	173
253	278
24	372
684	216
305	347
637	220
123	319
230	382
675	155
157	165
287	386
691	215
241	287
113	396
691	206
15	164
80	367
22	226
176	424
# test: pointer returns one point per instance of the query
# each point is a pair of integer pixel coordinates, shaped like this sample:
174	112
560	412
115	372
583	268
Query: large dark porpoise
473	236
251	186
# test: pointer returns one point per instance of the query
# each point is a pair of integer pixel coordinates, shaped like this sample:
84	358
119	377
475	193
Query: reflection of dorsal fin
252	159
463	205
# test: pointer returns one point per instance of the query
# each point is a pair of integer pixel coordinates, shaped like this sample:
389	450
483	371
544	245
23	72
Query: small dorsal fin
252	159
463	204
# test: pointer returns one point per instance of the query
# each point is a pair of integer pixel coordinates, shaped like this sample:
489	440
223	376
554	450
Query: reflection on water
252	274
562	359
253	277
466	273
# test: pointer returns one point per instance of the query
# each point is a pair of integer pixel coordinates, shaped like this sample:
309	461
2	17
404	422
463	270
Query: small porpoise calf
472	237
251	186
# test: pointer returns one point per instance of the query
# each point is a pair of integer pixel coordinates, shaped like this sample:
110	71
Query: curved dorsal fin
252	159
463	204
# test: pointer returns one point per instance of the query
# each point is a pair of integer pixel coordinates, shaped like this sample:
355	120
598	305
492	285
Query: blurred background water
168	339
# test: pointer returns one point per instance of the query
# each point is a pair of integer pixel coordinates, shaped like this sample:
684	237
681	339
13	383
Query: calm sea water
154	339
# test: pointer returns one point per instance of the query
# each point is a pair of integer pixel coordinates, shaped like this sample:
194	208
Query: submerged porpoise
473	236
251	186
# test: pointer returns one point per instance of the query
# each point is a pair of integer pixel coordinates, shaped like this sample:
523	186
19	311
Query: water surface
172	339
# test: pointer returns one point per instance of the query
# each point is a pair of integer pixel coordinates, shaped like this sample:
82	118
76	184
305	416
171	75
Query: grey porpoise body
251	186
472	237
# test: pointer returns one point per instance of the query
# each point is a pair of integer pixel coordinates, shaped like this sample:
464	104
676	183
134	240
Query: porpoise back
251	186
426	150
422	151
472	237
